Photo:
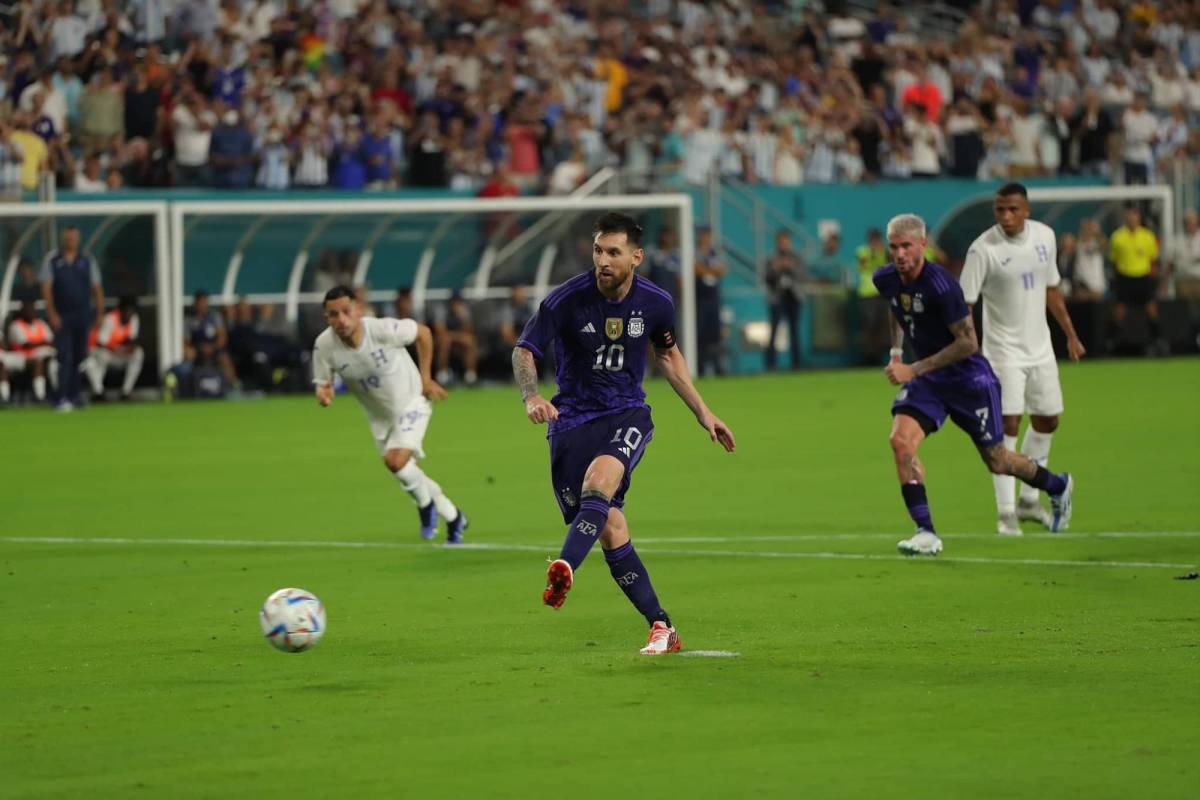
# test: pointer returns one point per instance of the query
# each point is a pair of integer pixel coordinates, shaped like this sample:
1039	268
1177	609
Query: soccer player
115	345
602	324
370	356
950	379
1013	266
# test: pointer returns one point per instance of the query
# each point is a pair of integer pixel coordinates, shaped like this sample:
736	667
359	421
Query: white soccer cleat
923	543
1006	525
1033	511
1060	504
662	640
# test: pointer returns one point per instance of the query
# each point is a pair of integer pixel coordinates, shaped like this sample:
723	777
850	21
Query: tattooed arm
965	343
537	408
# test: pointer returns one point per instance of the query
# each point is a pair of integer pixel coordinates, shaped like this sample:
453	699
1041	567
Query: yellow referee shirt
1132	252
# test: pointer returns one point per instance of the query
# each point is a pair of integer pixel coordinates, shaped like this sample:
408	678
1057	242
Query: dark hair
616	222
1009	189
127	301
199	294
337	293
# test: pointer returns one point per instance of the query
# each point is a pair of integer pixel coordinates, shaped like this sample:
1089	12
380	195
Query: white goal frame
42	213
184	212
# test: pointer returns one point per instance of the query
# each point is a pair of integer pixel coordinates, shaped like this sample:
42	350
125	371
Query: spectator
925	94
403	304
349	161
1089	283
192	122
928	143
1139	128
454	334
11	160
964	127
101	111
514	315
376	148
36	156
206	342
142	101
1028	127
91	179
361	299
664	264
1092	129
274	161
74	304
32	343
785	281
231	153
427	156
1133	249
1185	265
710	270
116	346
312	162
872	311
53	100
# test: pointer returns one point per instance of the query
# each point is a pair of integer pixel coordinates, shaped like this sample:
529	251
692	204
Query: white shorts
407	431
110	358
20	361
13	361
1030	390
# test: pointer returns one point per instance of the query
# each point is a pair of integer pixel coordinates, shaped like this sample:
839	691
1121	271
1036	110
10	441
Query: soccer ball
292	620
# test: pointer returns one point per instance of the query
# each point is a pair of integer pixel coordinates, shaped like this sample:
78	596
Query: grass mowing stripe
505	547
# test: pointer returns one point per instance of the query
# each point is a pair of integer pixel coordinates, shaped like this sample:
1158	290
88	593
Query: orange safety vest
36	335
121	332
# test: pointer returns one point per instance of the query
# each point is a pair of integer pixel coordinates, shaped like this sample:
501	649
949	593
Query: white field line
824	537
550	547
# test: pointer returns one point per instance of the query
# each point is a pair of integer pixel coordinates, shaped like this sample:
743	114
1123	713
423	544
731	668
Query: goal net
129	241
288	253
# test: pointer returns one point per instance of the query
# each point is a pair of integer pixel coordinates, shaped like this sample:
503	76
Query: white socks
39	387
95	373
1036	447
446	509
5	392
415	482
1006	485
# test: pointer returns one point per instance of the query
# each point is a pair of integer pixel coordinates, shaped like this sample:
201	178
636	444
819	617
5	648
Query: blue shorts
623	436
973	403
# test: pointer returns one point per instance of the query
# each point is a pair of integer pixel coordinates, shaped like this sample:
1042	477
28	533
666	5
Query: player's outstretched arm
1058	307
674	367
429	387
965	344
537	408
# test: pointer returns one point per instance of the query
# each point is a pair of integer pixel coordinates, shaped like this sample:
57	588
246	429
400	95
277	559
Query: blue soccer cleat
455	528
429	521
1060	506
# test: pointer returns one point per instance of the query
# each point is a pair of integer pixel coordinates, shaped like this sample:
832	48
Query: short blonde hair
906	223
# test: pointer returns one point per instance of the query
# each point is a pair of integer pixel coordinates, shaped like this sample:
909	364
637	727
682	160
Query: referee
1133	249
75	304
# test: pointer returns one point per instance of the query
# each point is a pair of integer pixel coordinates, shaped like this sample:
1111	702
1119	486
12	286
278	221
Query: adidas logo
589	328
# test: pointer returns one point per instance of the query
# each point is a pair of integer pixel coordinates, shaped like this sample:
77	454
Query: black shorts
1134	291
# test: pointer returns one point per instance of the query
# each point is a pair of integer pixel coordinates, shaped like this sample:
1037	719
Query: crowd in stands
370	94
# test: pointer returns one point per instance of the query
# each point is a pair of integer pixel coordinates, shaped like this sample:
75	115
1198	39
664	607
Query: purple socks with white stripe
918	505
585	528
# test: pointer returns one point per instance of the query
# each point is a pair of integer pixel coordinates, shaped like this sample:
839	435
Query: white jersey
380	372
1012	276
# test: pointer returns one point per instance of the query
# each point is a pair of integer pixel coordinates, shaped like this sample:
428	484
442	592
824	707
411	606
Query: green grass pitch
1051	666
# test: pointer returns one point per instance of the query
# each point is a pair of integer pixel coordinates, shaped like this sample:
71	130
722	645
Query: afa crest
906	301
614	327
637	326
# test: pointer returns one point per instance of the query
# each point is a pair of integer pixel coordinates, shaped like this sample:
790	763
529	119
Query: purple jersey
926	308
600	346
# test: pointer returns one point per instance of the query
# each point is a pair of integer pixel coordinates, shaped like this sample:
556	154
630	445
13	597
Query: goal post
267	251
29	230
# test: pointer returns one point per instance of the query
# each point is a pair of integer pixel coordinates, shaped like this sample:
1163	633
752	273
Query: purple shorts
973	403
623	436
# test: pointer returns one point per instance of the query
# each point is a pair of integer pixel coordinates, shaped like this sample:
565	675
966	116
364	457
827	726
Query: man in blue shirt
231	153
74	305
950	378
601	325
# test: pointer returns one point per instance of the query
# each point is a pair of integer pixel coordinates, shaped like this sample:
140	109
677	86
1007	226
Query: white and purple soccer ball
293	620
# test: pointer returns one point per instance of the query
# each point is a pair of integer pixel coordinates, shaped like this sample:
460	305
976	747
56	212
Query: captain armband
663	339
